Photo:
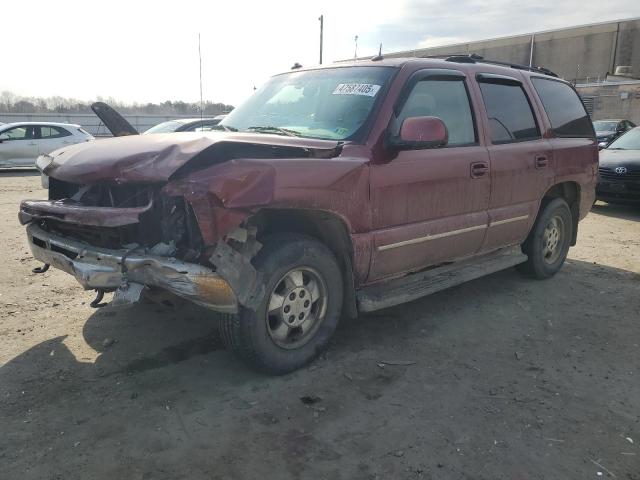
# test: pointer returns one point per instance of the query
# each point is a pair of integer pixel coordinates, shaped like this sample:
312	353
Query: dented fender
224	195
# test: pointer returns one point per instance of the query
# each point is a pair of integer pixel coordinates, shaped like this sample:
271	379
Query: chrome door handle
479	169
541	161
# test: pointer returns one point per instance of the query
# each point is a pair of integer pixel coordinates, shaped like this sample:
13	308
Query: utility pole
200	62
321	18
355	52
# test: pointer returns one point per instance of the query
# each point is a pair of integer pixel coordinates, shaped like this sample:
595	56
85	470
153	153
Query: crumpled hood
614	158
155	158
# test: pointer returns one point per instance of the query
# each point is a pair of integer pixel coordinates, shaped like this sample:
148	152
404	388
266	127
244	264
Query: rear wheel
299	312
548	243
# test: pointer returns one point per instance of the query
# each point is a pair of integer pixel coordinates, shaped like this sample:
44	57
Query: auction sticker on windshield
366	89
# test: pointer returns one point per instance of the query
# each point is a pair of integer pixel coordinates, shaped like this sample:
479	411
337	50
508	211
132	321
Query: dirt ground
513	379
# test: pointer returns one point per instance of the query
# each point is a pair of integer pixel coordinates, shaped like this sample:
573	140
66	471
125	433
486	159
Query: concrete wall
89	121
620	100
576	53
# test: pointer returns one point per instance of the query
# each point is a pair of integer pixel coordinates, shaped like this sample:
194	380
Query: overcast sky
147	51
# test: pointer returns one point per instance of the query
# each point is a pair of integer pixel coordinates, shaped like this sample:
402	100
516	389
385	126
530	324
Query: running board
417	285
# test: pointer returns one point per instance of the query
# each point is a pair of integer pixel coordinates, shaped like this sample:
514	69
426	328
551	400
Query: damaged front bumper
101	268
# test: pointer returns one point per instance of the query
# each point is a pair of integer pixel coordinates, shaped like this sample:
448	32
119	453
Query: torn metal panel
72	211
234	265
107	269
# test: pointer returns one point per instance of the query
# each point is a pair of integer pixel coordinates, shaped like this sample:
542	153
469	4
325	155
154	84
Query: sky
147	51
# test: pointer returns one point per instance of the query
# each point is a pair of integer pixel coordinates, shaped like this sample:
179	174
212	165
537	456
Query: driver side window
446	99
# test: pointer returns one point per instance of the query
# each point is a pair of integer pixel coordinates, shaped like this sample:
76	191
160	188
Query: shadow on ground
511	378
624	212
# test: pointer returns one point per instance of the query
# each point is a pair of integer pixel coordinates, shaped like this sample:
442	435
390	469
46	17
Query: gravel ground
509	379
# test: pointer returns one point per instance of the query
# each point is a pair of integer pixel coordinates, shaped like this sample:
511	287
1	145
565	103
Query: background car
21	143
186	125
619	170
608	130
119	126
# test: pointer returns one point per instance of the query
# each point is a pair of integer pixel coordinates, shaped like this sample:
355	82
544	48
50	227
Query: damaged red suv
329	192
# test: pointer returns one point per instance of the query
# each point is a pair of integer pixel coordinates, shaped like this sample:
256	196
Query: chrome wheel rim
297	307
553	239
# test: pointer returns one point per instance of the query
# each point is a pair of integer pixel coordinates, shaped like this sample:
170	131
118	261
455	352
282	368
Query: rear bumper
102	268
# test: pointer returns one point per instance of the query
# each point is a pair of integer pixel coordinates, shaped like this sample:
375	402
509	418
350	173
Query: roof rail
475	58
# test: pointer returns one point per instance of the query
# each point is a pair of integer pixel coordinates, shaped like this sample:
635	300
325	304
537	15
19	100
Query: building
612	99
579	54
602	59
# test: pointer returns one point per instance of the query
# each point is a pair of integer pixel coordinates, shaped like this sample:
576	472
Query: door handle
479	169
33	144
541	161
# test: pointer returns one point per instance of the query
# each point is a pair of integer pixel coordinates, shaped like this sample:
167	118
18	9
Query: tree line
12	103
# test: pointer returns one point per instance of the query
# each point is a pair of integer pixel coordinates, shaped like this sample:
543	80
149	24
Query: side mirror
4	138
420	132
602	145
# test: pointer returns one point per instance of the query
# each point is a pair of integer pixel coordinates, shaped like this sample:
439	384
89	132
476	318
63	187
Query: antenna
378	57
321	18
200	60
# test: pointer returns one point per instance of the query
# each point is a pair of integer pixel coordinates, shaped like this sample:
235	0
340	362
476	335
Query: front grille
608	173
119	196
170	220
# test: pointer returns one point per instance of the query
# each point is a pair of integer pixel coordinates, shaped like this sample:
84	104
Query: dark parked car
619	171
608	130
330	191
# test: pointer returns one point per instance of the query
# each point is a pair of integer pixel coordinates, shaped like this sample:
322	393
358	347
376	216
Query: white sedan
22	142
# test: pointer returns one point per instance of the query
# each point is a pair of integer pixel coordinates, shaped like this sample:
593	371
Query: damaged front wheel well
324	226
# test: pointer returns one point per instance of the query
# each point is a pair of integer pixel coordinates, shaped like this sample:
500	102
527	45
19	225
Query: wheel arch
570	192
327	227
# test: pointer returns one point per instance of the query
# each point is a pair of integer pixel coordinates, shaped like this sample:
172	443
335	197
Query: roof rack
475	58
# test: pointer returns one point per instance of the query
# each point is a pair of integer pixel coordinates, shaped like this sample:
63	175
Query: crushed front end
123	238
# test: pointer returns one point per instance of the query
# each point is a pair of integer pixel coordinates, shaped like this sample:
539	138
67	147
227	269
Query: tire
276	342
548	243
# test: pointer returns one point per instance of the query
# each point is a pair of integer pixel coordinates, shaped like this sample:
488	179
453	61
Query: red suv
330	191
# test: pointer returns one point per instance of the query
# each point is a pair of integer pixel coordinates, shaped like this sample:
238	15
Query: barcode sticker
366	89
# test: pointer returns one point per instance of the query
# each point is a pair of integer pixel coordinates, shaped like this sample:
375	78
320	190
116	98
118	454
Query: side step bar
420	284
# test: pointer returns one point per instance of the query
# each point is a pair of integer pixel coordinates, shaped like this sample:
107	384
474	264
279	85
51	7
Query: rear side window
566	112
510	116
447	100
53	132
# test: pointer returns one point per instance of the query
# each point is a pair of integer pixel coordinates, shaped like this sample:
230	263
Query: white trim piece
427	238
509	220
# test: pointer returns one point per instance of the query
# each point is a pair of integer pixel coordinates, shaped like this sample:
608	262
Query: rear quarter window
566	112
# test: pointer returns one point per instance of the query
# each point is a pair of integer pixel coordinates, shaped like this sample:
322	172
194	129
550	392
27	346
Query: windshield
628	141
601	126
331	103
164	127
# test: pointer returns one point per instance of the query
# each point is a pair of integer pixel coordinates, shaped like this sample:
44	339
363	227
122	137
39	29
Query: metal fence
89	121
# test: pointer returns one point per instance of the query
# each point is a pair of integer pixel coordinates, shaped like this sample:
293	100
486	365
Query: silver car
22	142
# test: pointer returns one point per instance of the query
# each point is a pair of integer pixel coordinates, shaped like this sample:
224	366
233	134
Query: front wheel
548	243
299	312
